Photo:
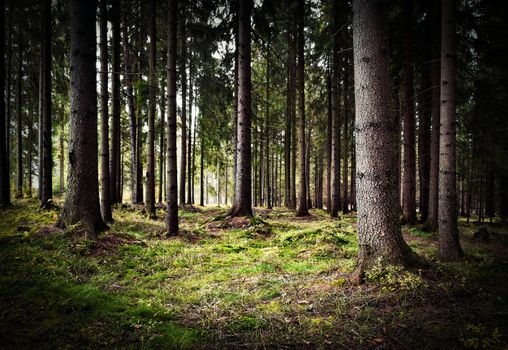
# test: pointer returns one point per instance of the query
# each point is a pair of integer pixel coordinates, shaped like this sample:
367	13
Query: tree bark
82	200
329	134
345	201
161	141
287	134
47	176
379	235
243	192
172	206
302	200
424	150
5	197
183	138
448	233
432	223
114	167
408	116
19	123
268	131
189	134
202	165
150	169
105	175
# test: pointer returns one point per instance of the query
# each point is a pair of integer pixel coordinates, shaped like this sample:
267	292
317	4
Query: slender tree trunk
235	97
61	186
268	131
30	143
307	163
131	108
82	200
193	158
152	82
432	222
424	151
105	175
329	133
161	141
114	166
189	135
5	196
287	133
202	166
345	201
335	138
353	173
408	116
379	235
47	180
19	125
294	138
183	139
448	233
302	200
243	195
172	206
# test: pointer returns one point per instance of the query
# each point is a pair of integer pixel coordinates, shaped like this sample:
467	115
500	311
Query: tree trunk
408	116
5	196
345	201
292	92
19	125
287	132
105	175
329	134
114	167
61	187
152	82
268	131
82	200
448	233
202	166
243	192
302	200
172	206
189	135
161	141
424	150
193	158
183	138
235	97
379	235
434	146
47	180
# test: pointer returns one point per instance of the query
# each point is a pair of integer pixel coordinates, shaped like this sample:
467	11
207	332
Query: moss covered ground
274	281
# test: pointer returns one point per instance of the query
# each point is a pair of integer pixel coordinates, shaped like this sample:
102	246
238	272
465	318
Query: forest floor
275	281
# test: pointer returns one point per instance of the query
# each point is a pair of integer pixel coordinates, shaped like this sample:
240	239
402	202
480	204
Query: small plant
477	336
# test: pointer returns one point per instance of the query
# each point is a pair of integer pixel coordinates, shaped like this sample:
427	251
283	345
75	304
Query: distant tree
115	166
183	78
5	195
82	199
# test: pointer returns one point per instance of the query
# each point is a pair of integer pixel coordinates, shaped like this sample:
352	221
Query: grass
277	281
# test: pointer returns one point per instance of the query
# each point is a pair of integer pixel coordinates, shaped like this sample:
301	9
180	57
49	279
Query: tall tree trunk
19	124
307	163
424	150
268	131
115	168
294	137
436	95
448	233
172	206
235	97
47	176
302	200
5	196
345	201
105	180
30	143
379	235
335	138
82	200
189	134
61	185
353	172
161	141
150	169
183	138
243	192
287	132
202	165
408	116
131	107
329	134
193	158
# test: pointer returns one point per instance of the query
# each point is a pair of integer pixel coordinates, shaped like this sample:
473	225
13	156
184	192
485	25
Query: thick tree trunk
47	166
19	125
408	116
82	200
302	200
5	196
436	95
379	235
172	206
243	192
114	167
448	233
150	169
183	136
105	180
